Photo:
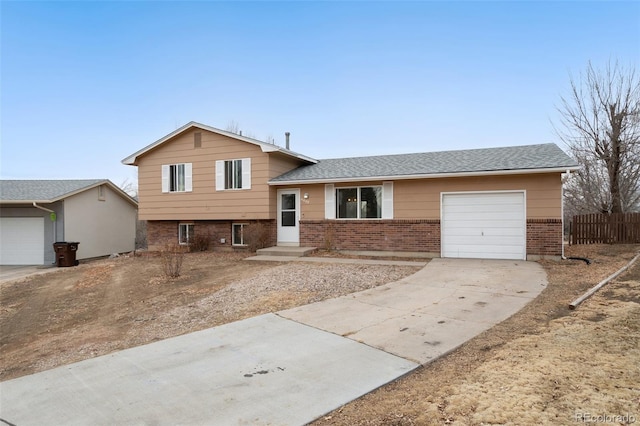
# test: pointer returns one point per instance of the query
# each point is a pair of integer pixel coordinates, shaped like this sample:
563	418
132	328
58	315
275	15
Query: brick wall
162	232
396	235
544	237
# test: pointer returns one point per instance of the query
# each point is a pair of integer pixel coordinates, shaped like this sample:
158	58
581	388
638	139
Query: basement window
237	234
185	233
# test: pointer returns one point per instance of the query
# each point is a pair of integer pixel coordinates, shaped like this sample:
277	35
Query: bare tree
233	127
600	124
129	187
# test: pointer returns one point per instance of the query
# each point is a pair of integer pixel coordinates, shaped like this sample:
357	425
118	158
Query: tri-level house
501	203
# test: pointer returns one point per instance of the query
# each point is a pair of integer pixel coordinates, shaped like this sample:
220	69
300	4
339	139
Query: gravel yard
112	304
544	365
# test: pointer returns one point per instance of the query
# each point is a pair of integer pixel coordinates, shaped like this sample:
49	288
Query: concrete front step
286	251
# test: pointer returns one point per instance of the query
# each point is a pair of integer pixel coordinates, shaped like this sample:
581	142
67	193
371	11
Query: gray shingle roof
527	157
42	190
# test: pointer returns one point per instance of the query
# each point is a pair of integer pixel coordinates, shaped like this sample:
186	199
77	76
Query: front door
288	217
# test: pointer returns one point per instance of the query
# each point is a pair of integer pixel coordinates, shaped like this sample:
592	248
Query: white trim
188	177
387	200
524	206
187	224
427	176
219	175
264	146
283	238
243	224
329	201
359	200
107	182
246	173
166	177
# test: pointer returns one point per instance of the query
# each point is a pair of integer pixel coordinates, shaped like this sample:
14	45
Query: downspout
567	173
54	222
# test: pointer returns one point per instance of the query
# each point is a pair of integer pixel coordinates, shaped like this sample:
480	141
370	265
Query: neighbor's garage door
21	241
484	225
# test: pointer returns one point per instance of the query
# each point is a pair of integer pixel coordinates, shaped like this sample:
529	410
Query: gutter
42	208
424	176
54	223
568	174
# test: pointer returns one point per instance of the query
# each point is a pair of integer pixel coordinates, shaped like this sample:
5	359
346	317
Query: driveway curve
431	312
287	368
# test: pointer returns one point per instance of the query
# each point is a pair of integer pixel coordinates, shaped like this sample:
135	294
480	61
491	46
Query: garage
21	241
484	225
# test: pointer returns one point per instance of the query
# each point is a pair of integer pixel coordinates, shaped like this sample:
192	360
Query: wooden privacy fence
603	228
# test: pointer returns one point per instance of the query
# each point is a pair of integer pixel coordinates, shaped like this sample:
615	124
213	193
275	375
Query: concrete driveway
16	272
281	369
432	311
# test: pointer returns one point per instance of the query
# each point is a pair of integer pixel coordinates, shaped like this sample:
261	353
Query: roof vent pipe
286	136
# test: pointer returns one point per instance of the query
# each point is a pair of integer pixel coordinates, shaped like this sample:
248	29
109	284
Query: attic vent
197	140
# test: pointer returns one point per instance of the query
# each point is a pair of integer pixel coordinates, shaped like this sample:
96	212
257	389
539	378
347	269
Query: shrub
141	234
329	237
256	236
200	242
171	258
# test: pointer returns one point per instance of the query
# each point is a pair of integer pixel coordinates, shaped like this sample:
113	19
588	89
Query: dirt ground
545	365
101	306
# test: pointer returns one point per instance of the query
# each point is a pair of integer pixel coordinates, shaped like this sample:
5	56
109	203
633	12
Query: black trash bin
66	253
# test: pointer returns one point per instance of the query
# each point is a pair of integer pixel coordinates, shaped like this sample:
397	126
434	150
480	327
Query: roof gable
521	159
50	191
264	146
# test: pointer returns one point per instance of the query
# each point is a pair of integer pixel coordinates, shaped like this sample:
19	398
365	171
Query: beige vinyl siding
420	198
101	227
279	164
204	202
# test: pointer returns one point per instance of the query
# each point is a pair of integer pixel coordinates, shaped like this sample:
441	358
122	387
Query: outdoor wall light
306	196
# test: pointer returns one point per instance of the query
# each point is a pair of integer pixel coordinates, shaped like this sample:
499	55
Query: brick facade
396	235
163	232
544	237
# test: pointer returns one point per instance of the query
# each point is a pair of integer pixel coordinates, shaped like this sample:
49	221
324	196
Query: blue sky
85	84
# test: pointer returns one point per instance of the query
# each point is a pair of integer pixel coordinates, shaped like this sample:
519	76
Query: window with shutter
233	174
177	177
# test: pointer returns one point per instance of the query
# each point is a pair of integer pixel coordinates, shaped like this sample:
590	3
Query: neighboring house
501	203
36	213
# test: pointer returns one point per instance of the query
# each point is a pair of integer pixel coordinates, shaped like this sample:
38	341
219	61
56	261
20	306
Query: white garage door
21	241
484	225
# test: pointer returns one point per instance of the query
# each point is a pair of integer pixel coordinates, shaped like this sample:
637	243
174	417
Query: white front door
289	217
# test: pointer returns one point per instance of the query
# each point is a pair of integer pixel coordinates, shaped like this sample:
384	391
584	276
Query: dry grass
544	365
113	304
